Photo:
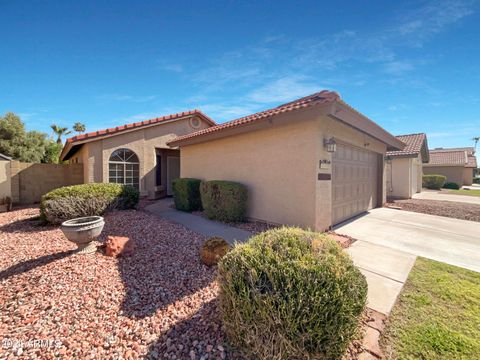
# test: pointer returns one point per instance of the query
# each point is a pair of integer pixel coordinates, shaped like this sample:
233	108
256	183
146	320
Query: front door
173	172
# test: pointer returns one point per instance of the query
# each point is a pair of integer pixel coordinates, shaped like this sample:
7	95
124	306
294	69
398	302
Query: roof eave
349	116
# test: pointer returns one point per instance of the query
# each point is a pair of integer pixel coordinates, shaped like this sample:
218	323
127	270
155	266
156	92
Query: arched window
123	168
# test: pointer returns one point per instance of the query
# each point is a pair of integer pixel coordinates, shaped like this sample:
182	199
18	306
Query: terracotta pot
83	232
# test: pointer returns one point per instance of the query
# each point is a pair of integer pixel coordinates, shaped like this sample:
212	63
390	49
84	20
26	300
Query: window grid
124	168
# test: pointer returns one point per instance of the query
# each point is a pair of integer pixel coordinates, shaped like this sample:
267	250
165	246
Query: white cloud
176	68
398	67
284	89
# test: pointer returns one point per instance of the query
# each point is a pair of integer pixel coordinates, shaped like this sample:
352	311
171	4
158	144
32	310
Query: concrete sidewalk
386	271
443	196
199	224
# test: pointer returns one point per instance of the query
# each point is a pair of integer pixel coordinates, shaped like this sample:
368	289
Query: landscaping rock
116	246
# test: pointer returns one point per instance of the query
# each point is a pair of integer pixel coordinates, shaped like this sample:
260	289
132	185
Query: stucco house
313	162
404	167
457	164
136	154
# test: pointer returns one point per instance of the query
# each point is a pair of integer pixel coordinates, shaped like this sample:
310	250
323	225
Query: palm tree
79	127
59	132
476	139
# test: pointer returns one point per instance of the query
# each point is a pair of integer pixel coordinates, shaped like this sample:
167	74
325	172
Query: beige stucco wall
467	176
453	173
5	179
279	165
404	177
30	181
143	142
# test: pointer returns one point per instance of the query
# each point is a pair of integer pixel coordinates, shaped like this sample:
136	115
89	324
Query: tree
79	127
31	146
52	152
59	132
476	139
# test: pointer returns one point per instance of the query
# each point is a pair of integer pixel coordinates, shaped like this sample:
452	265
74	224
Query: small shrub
213	250
186	194
476	180
451	185
433	181
290	294
86	200
224	200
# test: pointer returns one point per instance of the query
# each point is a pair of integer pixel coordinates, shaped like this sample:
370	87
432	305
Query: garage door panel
354	178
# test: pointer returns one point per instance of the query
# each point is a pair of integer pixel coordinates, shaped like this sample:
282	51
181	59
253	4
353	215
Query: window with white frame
124	168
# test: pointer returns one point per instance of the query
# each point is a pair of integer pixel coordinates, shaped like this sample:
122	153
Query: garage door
354	182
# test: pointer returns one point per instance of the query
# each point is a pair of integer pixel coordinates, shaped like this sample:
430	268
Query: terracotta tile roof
452	158
471	162
117	129
323	97
470	150
414	144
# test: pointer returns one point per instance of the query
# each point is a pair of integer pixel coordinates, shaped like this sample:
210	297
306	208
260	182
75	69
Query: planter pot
83	232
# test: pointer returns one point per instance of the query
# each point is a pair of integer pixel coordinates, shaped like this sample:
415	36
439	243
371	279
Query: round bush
434	182
451	185
70	202
290	294
213	250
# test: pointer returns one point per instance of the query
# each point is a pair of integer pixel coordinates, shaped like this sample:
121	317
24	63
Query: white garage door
354	182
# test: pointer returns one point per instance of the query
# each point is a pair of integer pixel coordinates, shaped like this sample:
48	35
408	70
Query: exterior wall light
330	145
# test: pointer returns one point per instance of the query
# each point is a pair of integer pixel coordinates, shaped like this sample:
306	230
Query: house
5	176
404	167
313	162
457	164
135	154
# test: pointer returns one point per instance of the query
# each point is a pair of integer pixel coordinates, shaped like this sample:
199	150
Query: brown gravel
160	302
450	209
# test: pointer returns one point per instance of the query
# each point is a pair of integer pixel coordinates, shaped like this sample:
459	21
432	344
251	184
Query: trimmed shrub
451	185
86	200
186	194
290	294
476	180
224	200
213	250
433	181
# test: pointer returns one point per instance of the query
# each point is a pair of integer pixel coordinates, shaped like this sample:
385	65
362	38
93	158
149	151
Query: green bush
290	294
86	200
451	185
476	180
224	200
433	181
186	194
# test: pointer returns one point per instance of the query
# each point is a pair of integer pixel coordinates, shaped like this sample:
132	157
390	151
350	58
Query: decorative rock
116	246
213	250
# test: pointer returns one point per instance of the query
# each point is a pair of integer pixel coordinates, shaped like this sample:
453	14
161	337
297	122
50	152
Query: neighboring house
5	176
313	162
404	167
135	154
457	164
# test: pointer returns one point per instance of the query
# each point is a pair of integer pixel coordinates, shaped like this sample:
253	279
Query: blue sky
411	66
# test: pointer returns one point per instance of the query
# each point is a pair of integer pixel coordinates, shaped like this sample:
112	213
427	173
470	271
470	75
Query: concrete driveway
452	241
444	196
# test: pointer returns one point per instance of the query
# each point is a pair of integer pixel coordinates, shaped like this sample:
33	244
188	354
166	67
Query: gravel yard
450	209
160	300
